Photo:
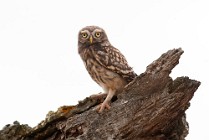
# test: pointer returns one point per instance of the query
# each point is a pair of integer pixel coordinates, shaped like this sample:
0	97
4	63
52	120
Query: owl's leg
100	95
106	102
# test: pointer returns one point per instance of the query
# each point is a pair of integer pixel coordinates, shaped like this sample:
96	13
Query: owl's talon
102	106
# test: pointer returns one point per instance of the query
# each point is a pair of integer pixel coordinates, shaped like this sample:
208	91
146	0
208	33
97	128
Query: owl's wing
112	59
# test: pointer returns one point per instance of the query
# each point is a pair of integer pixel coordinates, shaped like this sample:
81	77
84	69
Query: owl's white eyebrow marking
97	30
84	31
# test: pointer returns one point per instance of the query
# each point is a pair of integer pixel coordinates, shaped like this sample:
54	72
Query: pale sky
41	70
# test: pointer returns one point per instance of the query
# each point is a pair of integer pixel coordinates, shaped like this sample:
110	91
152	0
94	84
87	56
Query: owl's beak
91	39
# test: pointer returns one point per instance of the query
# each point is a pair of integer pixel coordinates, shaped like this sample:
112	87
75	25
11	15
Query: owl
105	64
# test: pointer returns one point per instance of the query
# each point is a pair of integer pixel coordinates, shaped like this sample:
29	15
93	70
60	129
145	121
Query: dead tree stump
151	107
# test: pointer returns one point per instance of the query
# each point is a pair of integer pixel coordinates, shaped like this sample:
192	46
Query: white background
41	70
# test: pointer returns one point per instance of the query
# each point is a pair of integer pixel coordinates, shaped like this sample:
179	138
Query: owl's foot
102	106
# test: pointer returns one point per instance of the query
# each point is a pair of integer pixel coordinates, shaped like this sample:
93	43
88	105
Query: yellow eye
97	34
84	35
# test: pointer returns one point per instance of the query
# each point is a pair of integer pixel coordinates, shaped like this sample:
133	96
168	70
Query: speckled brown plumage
105	64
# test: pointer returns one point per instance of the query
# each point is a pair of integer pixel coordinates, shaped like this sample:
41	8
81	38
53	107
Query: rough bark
151	107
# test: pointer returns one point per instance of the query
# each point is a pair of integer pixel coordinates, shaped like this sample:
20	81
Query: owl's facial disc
89	36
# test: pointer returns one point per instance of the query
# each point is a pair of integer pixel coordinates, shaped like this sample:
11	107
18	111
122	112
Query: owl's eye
84	35
97	34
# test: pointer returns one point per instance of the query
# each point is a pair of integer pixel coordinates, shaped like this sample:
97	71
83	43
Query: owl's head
91	35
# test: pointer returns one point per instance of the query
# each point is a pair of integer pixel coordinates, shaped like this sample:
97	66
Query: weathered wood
151	107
